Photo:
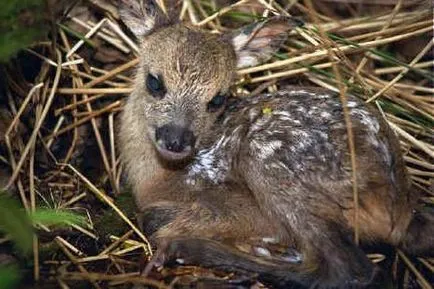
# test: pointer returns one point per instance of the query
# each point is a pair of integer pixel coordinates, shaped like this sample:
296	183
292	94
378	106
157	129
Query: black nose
175	138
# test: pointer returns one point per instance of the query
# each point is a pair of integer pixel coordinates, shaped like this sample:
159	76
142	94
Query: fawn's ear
142	16
256	43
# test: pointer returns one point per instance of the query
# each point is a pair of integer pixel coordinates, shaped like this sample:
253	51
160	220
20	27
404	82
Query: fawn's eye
216	102
155	86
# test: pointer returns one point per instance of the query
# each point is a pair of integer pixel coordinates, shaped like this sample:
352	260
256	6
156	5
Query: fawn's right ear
142	16
254	44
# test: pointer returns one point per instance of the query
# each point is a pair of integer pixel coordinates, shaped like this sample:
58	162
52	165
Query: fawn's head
185	73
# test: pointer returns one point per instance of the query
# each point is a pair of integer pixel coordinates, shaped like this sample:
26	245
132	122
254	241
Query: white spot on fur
281	113
259	124
253	113
351	104
190	181
262	252
246	60
323	135
367	119
280	165
286	116
294	258
208	164
385	153
239	41
325	114
267	149
301	109
270	240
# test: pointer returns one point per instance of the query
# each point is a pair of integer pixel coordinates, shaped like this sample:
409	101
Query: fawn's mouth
172	155
174	143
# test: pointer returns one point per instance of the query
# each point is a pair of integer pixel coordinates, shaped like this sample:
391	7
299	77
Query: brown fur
255	176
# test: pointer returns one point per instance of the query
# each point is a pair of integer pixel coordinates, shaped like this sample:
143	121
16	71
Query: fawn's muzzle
174	142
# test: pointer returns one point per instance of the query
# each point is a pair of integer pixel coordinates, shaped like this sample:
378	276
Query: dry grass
71	105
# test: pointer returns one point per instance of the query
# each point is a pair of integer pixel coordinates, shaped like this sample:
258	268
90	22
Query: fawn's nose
174	138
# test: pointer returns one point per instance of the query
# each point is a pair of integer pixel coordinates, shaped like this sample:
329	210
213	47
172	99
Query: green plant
17	224
8	276
20	24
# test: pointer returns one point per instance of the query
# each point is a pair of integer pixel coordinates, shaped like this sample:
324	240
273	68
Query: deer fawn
210	174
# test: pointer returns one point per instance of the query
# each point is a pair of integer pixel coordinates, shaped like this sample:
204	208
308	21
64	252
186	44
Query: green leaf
14	222
9	277
59	218
77	34
14	40
21	23
242	17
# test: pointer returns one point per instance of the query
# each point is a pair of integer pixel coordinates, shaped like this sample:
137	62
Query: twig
413	140
222	11
83	120
343	48
94	90
39	123
71	257
106	200
88	35
111	73
402	73
423	282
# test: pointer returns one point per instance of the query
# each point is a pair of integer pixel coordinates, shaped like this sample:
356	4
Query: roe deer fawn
209	173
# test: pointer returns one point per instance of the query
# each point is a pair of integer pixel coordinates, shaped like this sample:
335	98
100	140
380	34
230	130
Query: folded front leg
194	234
217	255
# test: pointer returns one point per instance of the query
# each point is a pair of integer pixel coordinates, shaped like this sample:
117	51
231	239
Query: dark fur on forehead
201	48
193	53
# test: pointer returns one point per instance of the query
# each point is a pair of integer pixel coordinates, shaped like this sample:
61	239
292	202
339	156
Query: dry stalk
71	257
343	48
343	96
422	281
103	197
402	73
38	124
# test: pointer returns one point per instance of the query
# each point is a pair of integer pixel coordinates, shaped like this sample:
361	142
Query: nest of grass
63	95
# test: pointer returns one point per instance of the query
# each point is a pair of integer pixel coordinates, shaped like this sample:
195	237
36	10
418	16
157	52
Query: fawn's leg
331	262
192	234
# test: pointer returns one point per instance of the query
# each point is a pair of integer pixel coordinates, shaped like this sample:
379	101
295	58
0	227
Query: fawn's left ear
142	16
256	43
